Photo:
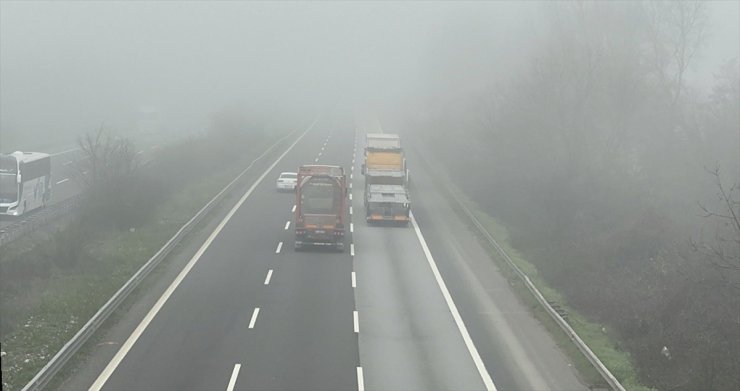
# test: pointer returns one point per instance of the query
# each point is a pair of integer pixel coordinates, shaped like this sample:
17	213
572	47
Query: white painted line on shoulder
352	249
356	321
351	227
269	276
126	347
287	224
254	317
293	210
360	380
479	364
234	375
277	250
63	180
354	280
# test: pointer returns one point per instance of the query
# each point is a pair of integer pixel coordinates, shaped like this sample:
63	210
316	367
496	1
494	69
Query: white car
287	181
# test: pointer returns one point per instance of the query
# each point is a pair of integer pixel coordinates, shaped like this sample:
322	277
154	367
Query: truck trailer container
321	194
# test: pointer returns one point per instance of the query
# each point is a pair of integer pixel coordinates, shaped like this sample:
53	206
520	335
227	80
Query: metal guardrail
44	376
587	352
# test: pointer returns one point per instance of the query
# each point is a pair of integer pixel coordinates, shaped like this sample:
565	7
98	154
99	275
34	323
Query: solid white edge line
356	321
352	249
277	250
62	181
287	224
269	277
234	375
354	280
254	317
293	210
360	380
116	360
479	364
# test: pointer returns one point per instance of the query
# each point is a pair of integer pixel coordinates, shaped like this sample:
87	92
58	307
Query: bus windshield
8	188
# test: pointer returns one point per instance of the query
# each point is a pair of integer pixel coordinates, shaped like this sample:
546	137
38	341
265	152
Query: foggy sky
68	67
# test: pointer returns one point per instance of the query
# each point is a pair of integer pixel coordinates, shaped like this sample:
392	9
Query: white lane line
356	321
234	375
116	360
350	210
287	224
67	163
352	249
354	280
293	210
320	153
63	180
352	168
351	227
277	250
269	276
350	185
350	176
482	371
254	317
84	172
316	160
360	380
350	196
353	160
140	152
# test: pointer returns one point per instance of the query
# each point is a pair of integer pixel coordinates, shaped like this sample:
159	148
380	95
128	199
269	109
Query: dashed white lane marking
360	380
234	375
84	172
320	153
351	227
277	250
354	280
482	371
350	210
356	321
350	185
67	163
269	276
287	224
352	249
350	176
126	347
140	152
350	196
293	210
353	161
254	317
63	180
316	160
352	168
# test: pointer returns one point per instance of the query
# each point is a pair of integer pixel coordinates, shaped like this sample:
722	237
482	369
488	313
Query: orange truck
320	217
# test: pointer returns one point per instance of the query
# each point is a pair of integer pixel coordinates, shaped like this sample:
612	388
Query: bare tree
676	32
723	249
107	158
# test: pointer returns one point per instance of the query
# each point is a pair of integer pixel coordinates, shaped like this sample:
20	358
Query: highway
402	308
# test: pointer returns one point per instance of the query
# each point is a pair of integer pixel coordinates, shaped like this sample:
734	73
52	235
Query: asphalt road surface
402	308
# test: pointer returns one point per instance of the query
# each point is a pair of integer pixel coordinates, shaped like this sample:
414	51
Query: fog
68	67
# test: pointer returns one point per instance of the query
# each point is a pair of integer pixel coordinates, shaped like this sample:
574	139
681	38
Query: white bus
25	182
